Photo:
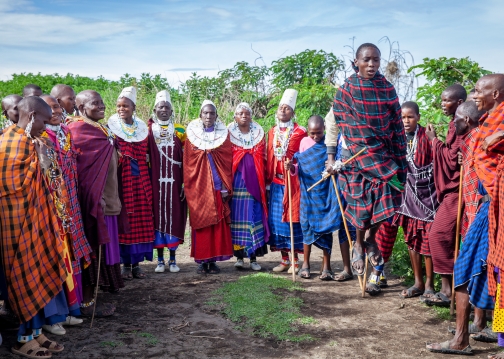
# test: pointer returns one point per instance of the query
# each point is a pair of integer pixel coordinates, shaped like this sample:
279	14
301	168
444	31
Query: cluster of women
79	197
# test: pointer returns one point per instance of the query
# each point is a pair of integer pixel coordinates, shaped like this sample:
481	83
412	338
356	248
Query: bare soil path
152	316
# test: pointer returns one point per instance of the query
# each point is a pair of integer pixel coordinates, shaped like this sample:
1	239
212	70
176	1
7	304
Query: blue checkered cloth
351	229
280	231
319	210
471	266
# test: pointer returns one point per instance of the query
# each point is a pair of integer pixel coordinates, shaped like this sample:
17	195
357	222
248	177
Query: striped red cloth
470	191
67	159
137	191
442	234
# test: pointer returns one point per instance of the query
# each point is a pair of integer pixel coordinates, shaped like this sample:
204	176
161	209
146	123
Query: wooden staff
328	175
457	238
345	223
291	226
97	284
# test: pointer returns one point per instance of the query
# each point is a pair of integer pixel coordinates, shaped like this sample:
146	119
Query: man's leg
461	339
429	274
419	286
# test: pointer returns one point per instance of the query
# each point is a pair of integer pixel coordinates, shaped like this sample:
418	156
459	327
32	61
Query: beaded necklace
281	139
410	150
129	130
6	122
103	128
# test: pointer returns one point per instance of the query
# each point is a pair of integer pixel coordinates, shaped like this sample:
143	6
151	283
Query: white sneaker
255	266
72	321
160	267
239	264
55	329
174	268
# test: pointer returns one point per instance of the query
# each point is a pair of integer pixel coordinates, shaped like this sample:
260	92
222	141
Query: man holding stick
283	141
367	112
470	271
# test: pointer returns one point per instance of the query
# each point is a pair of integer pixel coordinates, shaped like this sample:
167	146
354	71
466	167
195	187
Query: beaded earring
29	127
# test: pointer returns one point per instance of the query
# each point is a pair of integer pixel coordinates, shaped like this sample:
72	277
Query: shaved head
9	107
85	96
489	92
65	96
496	81
470	110
90	105
60	89
315	121
34	108
467	117
32	90
456	92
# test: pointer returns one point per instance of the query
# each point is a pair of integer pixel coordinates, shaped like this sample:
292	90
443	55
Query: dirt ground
168	311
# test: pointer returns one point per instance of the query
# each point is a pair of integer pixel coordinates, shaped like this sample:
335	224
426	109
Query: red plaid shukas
368	114
470	183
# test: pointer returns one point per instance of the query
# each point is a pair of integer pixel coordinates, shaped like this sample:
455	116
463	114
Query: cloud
20	30
220	12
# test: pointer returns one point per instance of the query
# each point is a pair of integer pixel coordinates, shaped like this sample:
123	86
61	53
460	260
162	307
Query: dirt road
151	317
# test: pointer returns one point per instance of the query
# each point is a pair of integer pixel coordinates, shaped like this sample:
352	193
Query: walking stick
291	227
457	239
327	175
97	284
345	223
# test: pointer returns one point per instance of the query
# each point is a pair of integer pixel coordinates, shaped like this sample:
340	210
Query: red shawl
258	152
272	166
199	186
446	167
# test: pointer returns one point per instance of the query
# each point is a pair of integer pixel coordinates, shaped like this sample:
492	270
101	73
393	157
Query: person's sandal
126	273
373	285
372	251
304	273
485	336
50	345
213	268
343	276
327	275
202	268
31	349
358	257
138	273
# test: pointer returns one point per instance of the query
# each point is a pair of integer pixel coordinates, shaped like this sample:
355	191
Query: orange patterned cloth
198	183
490	168
30	236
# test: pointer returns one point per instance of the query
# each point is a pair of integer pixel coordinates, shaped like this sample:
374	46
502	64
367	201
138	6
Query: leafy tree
439	74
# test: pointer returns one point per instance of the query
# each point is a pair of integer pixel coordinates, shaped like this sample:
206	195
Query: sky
175	38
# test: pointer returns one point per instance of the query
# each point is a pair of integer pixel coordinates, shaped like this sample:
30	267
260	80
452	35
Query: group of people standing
83	202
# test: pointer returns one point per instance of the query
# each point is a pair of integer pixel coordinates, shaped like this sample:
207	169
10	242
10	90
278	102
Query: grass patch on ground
442	313
251	302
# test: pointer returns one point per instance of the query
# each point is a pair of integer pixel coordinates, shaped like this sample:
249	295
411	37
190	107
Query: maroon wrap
179	207
95	152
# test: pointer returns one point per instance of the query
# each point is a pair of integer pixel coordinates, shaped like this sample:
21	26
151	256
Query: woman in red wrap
132	139
208	183
249	209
